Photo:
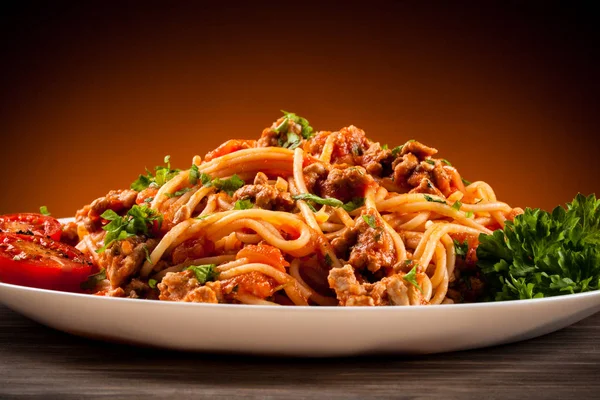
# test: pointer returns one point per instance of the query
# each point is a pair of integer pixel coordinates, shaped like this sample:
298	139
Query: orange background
91	95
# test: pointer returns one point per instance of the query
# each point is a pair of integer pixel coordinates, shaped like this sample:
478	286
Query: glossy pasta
297	218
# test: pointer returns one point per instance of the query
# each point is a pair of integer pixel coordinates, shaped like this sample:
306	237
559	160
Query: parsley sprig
352	205
162	174
137	221
204	273
229	185
542	254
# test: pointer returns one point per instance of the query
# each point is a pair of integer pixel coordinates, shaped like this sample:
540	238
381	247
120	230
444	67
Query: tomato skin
37	224
265	254
36	261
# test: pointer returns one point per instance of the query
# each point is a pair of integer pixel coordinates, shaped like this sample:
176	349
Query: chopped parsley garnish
147	254
397	150
204	273
370	220
229	185
457	205
162	174
461	249
469	214
44	210
136	222
243	204
384	147
93	280
152	283
194	174
328	260
292	141
148	199
411	278
307	130
352	205
433	200
178	193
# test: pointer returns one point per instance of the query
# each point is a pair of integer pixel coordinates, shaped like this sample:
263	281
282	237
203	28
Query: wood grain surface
38	362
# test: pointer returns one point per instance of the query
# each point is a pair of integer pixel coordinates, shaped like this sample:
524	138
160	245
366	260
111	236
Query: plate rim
317	309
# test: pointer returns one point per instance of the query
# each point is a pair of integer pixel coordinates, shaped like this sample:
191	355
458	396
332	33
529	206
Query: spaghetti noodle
296	218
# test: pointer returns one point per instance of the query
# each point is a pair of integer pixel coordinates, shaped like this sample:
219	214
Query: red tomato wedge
265	254
40	262
27	223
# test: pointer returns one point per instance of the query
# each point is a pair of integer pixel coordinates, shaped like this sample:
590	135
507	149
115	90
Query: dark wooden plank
36	361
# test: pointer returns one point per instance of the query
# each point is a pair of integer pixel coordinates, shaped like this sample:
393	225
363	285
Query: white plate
299	331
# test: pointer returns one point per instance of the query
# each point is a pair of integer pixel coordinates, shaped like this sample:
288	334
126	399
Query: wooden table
38	361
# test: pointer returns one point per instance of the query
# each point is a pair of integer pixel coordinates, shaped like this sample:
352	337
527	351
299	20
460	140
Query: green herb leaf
229	185
542	254
152	283
319	200
433	199
162	175
178	193
469	214
194	174
147	254
137	221
461	249
355	203
204	273
93	280
446	162
411	278
245	204
430	161
457	205
384	147
370	220
397	150
307	130
44	210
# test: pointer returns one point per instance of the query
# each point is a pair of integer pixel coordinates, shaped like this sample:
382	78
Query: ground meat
124	258
314	175
192	249
365	246
116	200
418	149
414	171
377	161
183	286
427	187
350	292
271	138
266	196
69	234
345	184
349	145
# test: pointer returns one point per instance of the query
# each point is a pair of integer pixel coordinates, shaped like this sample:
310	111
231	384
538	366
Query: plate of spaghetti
305	242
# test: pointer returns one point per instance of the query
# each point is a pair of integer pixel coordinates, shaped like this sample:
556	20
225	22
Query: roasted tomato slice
40	262
31	223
